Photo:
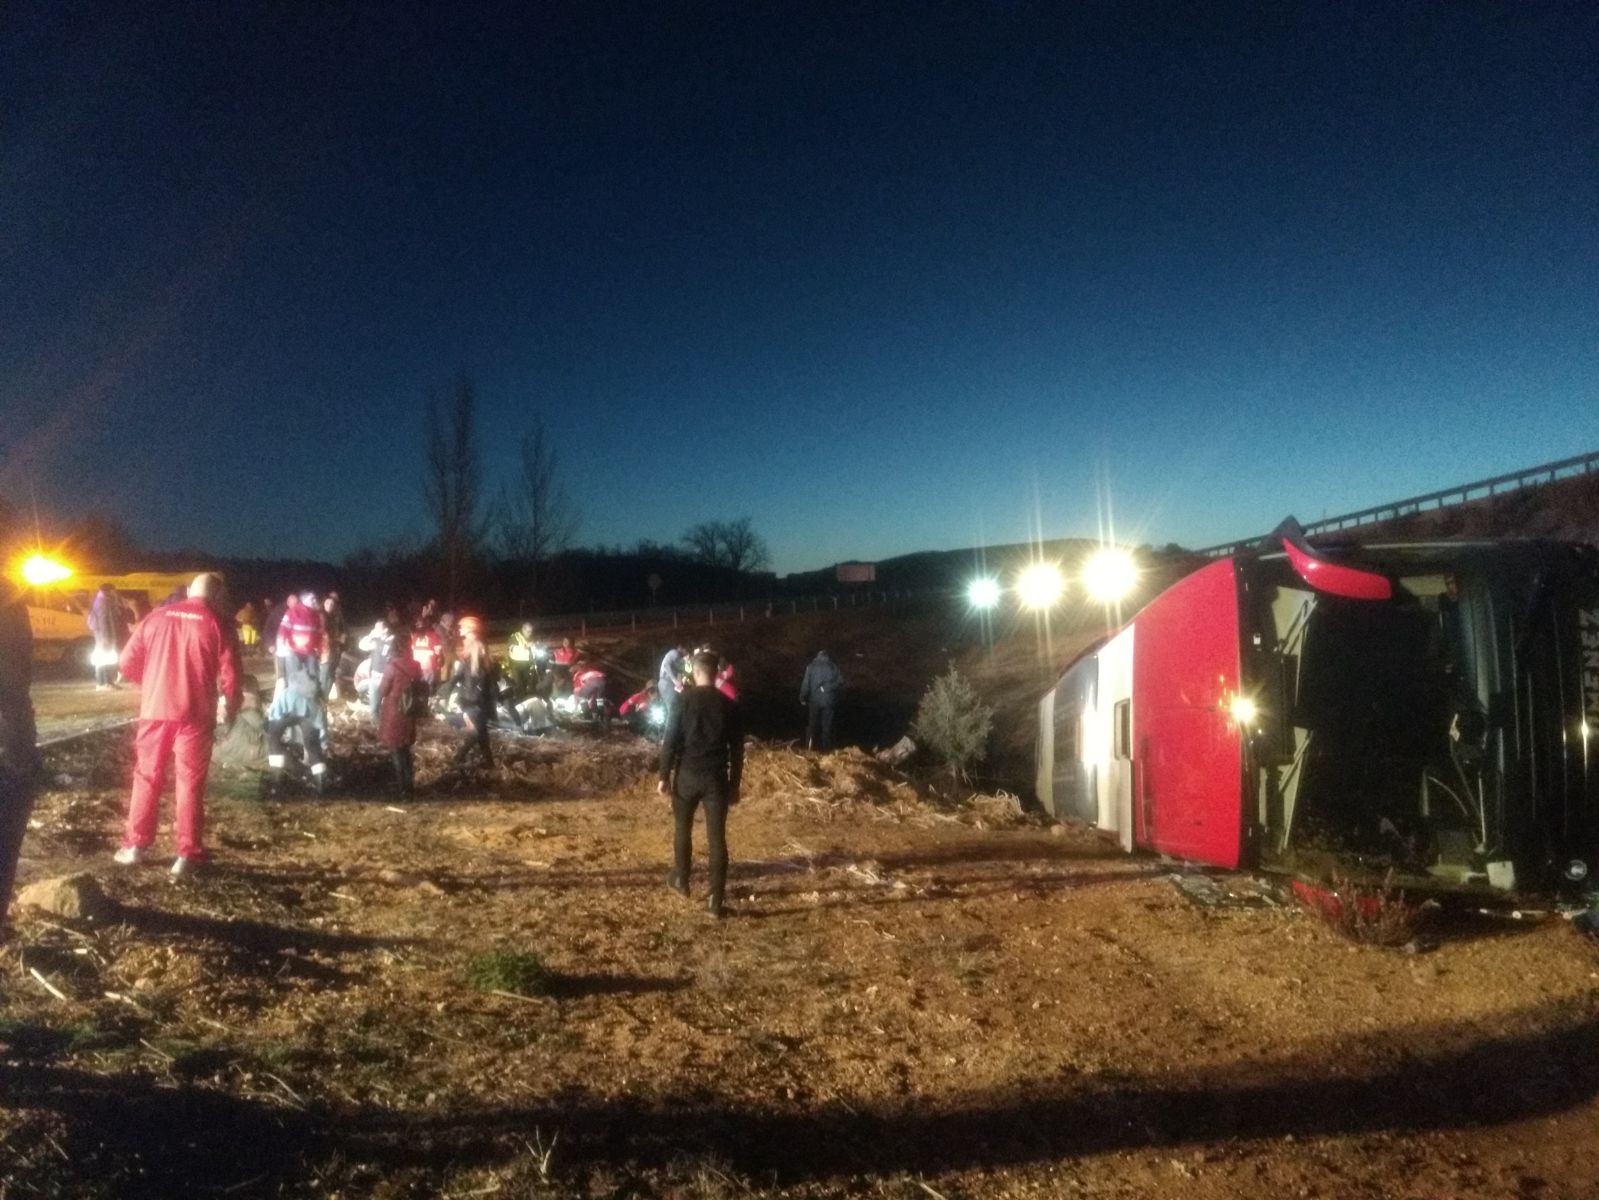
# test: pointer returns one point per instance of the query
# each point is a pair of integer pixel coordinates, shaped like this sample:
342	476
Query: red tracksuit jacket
301	631
180	655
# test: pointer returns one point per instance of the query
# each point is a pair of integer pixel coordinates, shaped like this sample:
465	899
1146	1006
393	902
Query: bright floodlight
1109	575
1040	585
983	593
39	571
1244	710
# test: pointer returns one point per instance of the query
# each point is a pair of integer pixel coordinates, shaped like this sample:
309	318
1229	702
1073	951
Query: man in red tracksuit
179	655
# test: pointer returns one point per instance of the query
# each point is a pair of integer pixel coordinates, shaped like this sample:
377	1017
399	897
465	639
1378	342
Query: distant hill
926	569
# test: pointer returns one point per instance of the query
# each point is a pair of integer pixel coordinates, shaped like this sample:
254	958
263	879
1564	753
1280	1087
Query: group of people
186	657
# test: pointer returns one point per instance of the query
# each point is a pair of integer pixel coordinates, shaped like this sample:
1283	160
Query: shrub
518	971
953	722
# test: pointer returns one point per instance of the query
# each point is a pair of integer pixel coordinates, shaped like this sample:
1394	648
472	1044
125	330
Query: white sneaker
129	856
182	867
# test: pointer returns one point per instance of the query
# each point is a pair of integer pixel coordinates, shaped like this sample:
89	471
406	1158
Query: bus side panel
1074	747
1188	757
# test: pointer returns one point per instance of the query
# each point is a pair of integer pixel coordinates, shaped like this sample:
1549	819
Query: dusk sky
882	277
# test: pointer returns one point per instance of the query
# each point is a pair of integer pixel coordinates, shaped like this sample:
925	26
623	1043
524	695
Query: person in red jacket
302	632
399	709
180	655
588	689
639	702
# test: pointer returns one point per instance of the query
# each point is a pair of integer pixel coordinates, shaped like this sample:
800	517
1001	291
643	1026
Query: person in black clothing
476	684
19	752
702	761
819	692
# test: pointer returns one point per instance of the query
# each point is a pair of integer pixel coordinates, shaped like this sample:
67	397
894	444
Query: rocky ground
914	997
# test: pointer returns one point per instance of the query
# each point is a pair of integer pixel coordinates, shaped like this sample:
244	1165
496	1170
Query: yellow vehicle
58	600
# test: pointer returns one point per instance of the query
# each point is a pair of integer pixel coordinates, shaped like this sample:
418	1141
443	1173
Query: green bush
953	723
518	971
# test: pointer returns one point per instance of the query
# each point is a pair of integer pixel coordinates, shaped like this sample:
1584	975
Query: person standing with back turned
819	693
702	763
179	655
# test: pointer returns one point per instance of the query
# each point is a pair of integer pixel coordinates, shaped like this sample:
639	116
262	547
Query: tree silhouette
452	483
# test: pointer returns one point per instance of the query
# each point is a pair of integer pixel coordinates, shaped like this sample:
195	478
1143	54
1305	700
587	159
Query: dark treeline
571	581
574	581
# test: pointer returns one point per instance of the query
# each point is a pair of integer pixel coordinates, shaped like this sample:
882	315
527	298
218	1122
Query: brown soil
911	999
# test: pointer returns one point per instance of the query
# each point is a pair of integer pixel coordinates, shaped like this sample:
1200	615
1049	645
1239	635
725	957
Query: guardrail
1497	485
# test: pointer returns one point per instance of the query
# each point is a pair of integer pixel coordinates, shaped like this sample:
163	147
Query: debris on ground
77	897
1213	890
897	753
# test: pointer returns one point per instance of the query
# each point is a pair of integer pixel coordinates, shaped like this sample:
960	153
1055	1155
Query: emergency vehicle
58	601
1421	713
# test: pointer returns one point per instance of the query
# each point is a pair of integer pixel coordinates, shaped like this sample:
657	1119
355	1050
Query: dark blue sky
882	277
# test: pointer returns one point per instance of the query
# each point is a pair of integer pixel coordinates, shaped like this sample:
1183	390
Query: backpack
412	700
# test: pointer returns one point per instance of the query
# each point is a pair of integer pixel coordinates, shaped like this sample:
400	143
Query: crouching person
298	706
643	711
402	696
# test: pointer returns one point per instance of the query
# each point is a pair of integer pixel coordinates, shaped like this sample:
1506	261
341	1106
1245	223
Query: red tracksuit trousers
155	746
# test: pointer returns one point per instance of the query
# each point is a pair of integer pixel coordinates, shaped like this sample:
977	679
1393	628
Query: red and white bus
1425	713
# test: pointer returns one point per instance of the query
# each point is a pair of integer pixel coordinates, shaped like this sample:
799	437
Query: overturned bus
1421	713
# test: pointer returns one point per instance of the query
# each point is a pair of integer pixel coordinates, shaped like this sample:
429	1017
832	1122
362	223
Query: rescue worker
565	654
180	655
520	654
819	692
639	701
636	710
109	624
402	701
429	654
475	685
19	752
588	689
300	634
702	763
247	619
298	706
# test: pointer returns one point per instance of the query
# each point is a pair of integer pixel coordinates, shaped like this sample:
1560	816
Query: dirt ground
912	998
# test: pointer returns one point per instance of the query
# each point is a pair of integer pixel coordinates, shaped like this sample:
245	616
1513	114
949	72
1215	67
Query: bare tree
452	485
704	541
536	519
742	548
731	544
